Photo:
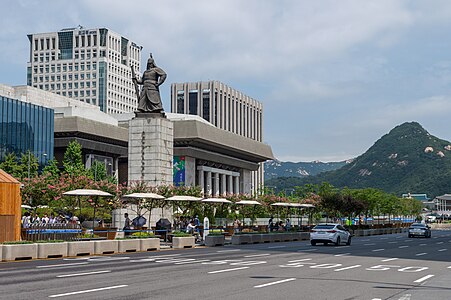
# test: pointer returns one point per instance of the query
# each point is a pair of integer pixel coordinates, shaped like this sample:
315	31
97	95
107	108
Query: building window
206	105
192	102
180	102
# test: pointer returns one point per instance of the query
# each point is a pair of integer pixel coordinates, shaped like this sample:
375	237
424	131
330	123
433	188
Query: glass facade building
25	126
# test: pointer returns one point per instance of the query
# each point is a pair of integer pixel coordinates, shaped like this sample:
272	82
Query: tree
73	162
28	165
10	165
98	171
51	169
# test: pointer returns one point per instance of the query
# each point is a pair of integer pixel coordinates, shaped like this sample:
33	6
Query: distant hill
275	168
407	159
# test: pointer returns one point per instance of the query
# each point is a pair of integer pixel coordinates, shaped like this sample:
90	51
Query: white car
330	233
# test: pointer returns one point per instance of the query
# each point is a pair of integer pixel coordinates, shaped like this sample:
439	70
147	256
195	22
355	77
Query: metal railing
45	232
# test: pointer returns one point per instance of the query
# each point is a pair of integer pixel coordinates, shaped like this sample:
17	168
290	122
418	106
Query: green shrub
17	242
49	241
181	234
143	234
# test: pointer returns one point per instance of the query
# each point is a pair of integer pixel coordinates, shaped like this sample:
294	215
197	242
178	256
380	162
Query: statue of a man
149	98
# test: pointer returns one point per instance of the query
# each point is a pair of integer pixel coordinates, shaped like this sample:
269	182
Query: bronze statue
149	99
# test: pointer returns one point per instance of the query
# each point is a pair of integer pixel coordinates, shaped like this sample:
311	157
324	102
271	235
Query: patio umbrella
183	198
141	198
216	200
87	192
249	202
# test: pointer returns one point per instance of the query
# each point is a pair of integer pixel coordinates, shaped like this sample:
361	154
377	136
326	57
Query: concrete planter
106	247
149	244
303	236
52	250
80	248
214	240
183	242
19	252
239	239
287	237
276	237
131	245
256	238
266	238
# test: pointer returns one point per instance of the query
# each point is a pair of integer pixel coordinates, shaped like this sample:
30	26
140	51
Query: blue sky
334	76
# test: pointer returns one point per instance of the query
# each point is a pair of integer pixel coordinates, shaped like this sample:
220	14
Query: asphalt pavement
375	267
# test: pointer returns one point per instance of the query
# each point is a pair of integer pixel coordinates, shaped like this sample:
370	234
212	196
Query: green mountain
275	168
407	159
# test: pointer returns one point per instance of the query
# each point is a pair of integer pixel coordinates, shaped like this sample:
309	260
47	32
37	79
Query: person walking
236	225
127	225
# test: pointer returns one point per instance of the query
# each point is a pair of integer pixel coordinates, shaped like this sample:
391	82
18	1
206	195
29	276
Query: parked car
330	233
419	229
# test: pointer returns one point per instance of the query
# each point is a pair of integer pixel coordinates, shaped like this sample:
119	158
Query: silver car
330	233
419	229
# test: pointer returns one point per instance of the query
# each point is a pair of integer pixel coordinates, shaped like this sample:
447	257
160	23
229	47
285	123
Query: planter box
131	245
80	248
286	237
105	247
239	239
214	240
19	252
256	238
52	250
183	242
266	238
149	244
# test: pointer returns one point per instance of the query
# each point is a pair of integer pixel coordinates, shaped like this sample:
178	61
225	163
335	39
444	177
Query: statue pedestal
150	149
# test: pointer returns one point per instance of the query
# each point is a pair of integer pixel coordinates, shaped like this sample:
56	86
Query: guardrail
60	231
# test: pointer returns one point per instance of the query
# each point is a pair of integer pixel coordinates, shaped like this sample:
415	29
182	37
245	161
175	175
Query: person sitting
190	228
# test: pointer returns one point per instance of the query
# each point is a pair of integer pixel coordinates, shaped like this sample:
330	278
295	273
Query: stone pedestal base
150	149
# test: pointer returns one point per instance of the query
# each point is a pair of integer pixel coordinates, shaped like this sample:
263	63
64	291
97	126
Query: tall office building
90	65
226	108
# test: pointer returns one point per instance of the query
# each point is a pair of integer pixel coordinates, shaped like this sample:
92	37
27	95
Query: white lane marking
423	278
449	267
405	297
257	255
441	250
421	254
63	265
276	247
82	274
88	291
347	268
389	259
392	242
307	250
423	244
342	254
191	262
439	243
370	244
400	247
161	256
341	247
298	260
174	260
227	270
384	238
233	250
109	258
248	263
365	240
377	250
275	282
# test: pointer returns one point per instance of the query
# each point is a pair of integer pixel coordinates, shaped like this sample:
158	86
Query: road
375	267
